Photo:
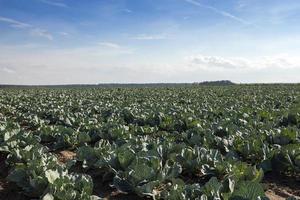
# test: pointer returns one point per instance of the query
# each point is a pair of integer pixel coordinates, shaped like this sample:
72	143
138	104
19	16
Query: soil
8	191
282	186
109	193
3	168
103	189
272	196
65	156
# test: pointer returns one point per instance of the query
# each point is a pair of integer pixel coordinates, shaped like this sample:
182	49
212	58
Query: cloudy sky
103	41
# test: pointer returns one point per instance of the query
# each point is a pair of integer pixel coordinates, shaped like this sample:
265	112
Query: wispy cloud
54	3
65	34
220	12
14	23
110	45
126	10
41	33
7	70
34	31
150	37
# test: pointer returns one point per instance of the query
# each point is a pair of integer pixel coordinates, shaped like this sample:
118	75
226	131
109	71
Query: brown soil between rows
65	156
282	186
8	191
272	196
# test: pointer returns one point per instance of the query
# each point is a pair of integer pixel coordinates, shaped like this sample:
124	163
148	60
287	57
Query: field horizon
149	100
151	84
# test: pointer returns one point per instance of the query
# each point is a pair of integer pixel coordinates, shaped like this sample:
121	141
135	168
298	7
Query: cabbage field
239	142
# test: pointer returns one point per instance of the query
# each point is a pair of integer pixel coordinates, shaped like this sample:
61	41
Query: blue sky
102	41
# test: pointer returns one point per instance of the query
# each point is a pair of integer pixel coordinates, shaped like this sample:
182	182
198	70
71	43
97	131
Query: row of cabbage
167	143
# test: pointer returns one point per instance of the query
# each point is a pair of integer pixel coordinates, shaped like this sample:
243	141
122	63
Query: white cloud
110	45
65	34
31	64
238	63
241	4
54	3
214	62
218	11
41	33
14	23
150	37
126	10
7	70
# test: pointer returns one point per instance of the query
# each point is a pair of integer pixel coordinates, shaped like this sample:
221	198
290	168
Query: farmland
190	142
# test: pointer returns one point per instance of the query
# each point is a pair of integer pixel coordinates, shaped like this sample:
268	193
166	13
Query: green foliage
181	143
